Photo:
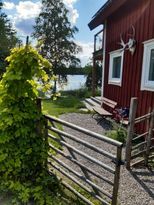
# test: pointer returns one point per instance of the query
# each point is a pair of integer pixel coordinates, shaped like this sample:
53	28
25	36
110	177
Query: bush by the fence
23	149
118	134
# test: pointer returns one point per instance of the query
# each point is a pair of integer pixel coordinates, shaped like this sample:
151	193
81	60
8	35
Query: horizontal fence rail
85	131
142	118
83	154
139	148
113	157
142	147
83	176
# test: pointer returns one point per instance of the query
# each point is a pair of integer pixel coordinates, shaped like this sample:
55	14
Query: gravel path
136	187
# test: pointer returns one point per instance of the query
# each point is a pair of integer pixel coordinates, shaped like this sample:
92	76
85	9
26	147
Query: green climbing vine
23	150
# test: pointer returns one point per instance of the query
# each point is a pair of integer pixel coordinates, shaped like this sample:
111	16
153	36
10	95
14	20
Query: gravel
136	186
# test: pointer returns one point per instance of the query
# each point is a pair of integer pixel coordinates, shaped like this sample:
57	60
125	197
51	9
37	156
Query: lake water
73	82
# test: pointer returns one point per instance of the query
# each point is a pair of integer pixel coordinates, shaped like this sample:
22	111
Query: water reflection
71	82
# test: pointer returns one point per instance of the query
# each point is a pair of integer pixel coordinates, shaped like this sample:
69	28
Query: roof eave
100	16
96	22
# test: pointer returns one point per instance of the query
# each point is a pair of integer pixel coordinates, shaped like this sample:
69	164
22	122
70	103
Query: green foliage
79	93
88	72
75	70
8	39
23	149
151	163
118	134
85	194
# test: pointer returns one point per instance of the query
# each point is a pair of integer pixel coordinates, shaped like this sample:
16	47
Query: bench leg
93	115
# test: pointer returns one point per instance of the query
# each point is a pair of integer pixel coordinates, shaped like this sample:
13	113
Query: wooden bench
102	112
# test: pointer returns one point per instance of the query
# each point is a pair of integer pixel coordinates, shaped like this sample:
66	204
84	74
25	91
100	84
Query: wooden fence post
27	40
117	176
130	131
94	78
39	126
46	140
148	139
39	104
42	127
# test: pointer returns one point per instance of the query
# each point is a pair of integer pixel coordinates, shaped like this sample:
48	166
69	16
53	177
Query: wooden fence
82	176
139	148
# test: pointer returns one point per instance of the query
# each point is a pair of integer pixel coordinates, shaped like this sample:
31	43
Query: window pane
116	67
151	70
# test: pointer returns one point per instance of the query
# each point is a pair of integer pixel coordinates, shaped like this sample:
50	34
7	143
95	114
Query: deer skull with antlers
131	44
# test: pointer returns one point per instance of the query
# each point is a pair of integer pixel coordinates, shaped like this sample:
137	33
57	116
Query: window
147	82
115	67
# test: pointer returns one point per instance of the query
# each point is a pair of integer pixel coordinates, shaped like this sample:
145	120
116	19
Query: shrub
79	93
23	149
118	134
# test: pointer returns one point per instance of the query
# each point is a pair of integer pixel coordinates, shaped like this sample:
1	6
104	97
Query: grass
69	102
61	105
152	163
86	195
71	198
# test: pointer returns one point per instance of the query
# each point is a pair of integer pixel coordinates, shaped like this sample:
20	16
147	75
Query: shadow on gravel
145	178
104	123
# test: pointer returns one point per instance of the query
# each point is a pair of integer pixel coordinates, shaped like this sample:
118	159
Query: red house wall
140	14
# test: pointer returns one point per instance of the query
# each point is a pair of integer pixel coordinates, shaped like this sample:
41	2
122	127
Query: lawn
68	102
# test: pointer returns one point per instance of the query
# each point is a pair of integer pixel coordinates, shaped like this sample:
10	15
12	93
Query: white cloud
73	12
86	54
25	12
74	15
10	17
28	9
23	15
69	2
9	5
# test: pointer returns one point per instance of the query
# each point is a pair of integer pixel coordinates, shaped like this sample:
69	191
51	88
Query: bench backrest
108	102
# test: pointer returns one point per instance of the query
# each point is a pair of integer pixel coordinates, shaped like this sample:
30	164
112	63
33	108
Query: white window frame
145	83
114	54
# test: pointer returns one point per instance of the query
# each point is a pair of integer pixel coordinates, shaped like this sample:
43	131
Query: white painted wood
104	55
145	83
114	54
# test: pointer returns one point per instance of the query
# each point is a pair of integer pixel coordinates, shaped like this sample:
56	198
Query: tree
88	72
8	39
55	31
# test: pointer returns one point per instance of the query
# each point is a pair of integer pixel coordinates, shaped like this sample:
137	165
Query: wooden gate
139	148
78	169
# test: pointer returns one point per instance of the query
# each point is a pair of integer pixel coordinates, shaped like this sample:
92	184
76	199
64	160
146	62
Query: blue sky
23	12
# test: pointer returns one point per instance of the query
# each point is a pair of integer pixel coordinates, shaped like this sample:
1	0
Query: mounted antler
122	43
131	44
133	32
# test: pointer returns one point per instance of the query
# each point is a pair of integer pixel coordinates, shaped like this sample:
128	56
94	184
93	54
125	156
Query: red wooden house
127	51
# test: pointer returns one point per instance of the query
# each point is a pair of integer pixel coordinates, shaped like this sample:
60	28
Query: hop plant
23	148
